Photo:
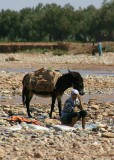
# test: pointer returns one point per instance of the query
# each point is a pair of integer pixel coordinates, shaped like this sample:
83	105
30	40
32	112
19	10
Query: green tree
84	23
26	23
50	20
9	24
107	17
38	31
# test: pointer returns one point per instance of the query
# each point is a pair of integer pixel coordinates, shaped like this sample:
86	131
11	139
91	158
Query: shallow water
82	72
91	72
98	98
107	97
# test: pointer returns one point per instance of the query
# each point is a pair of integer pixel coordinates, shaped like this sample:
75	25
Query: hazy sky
20	4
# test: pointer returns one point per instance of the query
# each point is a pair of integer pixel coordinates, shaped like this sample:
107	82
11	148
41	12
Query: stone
38	154
2	153
108	135
95	107
51	121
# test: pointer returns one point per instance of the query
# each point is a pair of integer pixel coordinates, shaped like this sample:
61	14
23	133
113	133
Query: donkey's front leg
59	105
59	102
52	105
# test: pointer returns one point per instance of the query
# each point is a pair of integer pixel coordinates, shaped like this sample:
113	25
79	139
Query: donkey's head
77	82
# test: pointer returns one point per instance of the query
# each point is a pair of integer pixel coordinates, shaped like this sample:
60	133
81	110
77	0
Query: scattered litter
35	127
89	126
23	119
12	128
63	127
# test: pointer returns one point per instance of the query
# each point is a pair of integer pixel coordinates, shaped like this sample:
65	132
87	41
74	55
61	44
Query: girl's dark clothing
68	111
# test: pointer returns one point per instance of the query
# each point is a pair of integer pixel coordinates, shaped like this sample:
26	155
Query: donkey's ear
69	71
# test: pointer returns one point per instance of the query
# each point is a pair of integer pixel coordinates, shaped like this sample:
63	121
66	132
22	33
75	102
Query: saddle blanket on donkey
43	80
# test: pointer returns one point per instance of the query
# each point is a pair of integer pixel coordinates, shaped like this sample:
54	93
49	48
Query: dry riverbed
26	141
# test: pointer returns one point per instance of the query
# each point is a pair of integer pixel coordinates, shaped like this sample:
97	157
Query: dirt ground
37	60
22	62
30	144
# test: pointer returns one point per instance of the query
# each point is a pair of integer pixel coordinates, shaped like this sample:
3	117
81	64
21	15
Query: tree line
52	22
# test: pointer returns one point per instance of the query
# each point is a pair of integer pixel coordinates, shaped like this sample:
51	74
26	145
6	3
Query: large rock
108	135
2	153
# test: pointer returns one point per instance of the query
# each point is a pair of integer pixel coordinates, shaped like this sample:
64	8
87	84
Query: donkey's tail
24	90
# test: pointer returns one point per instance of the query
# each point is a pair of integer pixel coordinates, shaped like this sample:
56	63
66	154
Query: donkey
65	81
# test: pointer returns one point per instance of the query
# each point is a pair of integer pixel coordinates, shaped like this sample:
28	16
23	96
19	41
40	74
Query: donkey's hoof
50	116
30	116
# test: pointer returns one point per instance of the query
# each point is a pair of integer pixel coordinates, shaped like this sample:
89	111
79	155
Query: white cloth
74	91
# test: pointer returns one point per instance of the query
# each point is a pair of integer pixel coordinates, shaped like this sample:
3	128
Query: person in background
69	115
100	48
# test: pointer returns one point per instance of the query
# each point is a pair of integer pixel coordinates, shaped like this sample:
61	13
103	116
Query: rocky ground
26	141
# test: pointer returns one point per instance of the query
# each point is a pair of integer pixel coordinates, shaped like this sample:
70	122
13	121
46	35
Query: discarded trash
89	126
12	128
33	126
23	119
63	127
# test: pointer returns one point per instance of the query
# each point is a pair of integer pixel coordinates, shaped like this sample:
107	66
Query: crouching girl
69	115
